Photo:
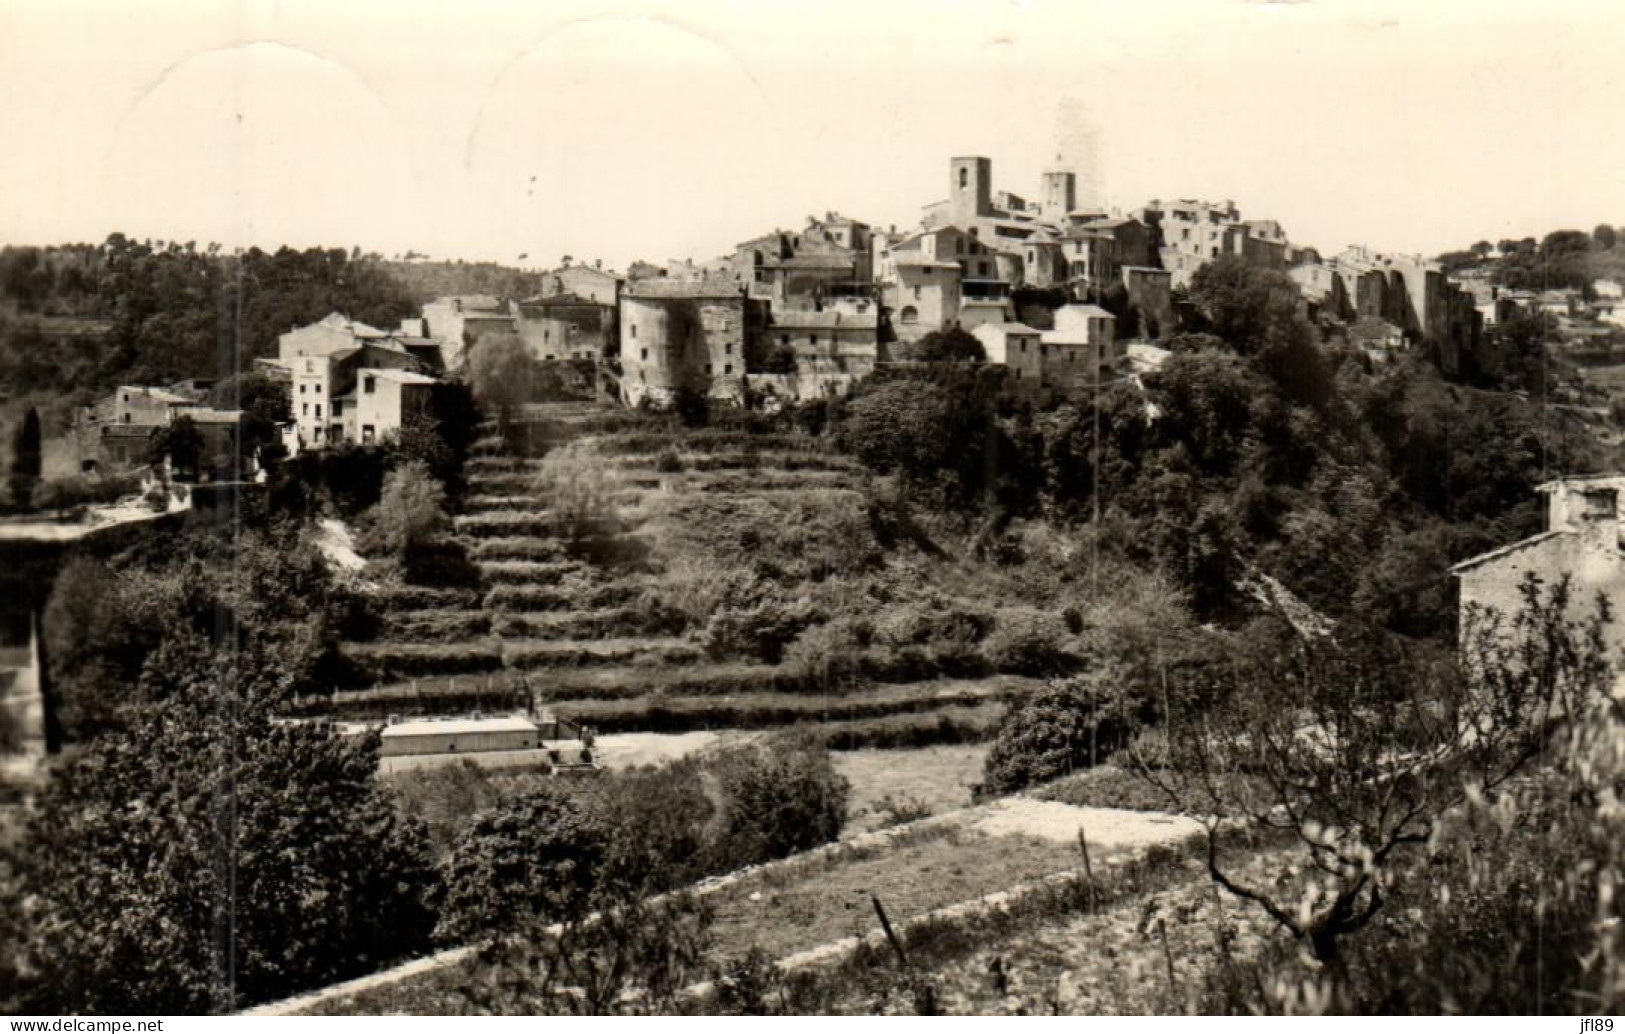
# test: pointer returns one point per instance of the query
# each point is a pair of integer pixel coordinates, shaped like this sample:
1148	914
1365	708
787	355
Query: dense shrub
758	633
1067	726
532	857
780	795
1030	642
82	490
126	852
411	512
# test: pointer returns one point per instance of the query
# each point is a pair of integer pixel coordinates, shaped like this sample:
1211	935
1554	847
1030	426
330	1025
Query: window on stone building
317	388
909	314
964	178
708	369
644	354
634	332
728	368
1601	503
304	409
369	384
812	339
318	411
301	389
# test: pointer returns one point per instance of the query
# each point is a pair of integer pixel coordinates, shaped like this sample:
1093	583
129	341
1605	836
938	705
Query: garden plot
936	779
1149	954
929	866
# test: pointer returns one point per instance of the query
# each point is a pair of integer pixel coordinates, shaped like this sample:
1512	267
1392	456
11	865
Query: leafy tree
181	443
411	512
1604	236
1067	726
780	795
500	373
264	401
237	859
1357	744
954	345
533	858
26	459
908	427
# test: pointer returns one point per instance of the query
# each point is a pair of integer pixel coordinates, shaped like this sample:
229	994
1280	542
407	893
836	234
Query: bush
532	858
1029	642
410	514
83	490
780	795
1069	725
758	633
668	462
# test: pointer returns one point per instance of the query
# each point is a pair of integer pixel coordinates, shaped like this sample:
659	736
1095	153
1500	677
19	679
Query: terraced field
572	608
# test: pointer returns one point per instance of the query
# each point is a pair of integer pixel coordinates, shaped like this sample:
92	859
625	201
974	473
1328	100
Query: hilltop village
1061	292
818	628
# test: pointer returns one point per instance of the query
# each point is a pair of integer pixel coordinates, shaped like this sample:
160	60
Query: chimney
598	263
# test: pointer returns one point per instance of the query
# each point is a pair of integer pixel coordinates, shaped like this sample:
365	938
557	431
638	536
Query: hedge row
965	724
480	465
532	655
487	503
503	483
438	625
766	710
527	572
610	623
553	597
507	523
423	597
383	662
518	547
706	442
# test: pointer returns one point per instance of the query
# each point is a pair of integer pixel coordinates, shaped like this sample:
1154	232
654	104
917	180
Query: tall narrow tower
970	188
1060	194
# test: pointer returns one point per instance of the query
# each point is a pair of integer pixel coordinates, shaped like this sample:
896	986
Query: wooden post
1088	869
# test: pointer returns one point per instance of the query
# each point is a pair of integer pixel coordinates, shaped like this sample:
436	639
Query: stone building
333	333
593	283
1079	354
1583	540
456	322
1005	343
327	406
833	350
686	334
566	326
1150	293
922	294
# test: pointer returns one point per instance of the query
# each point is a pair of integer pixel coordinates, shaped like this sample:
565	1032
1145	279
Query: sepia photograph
989	508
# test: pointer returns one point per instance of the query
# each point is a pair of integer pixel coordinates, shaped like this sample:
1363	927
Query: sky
495	129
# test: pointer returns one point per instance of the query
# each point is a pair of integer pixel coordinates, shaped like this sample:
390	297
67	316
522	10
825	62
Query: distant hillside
426	281
87	316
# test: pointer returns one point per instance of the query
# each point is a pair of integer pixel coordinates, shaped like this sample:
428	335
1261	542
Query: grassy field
936	779
1150	954
782	917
